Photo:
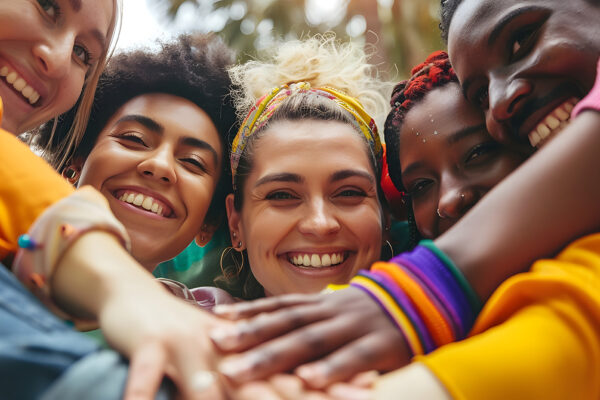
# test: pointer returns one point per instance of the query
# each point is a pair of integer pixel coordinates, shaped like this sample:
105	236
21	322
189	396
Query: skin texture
326	206
172	154
52	48
530	56
449	161
550	201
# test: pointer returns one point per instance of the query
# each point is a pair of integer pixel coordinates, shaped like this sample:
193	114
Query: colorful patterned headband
266	106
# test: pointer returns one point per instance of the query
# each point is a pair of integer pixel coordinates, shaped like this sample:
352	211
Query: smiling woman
306	209
155	144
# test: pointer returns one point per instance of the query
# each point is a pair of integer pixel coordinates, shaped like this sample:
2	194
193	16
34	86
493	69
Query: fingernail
224	337
314	374
236	367
224	309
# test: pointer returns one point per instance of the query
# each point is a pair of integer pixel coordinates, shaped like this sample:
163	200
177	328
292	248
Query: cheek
425	219
68	92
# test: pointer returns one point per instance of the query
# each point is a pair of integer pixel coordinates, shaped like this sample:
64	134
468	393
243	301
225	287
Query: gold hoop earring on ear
238	268
391	249
71	174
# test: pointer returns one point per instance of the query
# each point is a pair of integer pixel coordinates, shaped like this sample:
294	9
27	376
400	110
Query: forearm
89	276
548	202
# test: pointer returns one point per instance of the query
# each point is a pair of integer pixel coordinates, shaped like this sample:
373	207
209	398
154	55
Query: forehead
297	143
442	111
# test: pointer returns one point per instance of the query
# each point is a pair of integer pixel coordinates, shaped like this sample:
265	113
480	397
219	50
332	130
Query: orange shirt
28	185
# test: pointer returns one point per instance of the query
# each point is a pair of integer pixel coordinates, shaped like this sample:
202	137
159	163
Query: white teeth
146	202
317	260
20	85
138	200
553	123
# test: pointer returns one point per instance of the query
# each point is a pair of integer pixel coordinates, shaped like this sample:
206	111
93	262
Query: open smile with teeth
317	260
145	202
18	83
552	123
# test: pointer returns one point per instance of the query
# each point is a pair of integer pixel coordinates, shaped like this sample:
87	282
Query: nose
455	200
320	219
158	165
54	55
506	97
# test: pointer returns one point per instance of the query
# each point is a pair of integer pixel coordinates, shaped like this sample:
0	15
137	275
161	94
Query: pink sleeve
592	100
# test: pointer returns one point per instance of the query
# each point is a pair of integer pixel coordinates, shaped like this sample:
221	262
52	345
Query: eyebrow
281	177
75	5
142	120
463	133
452	138
507	19
157	128
349	173
201	144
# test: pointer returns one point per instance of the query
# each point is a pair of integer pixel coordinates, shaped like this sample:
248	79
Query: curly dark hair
193	67
448	9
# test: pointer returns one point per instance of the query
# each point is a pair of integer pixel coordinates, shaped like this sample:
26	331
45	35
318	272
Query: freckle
435	132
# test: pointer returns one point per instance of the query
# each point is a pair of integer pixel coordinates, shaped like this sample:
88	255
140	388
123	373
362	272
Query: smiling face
157	161
525	62
448	159
46	49
311	214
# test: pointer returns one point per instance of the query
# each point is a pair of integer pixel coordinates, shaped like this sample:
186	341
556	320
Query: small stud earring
239	244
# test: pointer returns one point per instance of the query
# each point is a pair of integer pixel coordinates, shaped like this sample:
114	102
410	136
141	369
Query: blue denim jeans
43	358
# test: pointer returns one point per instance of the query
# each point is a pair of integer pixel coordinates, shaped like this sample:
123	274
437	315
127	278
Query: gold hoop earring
389	245
239	267
71	174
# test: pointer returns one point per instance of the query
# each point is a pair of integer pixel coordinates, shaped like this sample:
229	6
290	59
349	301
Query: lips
552	123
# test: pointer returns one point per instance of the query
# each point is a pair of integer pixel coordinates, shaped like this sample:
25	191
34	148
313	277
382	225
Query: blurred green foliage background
399	33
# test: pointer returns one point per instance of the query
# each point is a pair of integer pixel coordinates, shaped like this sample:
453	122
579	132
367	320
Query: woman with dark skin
550	175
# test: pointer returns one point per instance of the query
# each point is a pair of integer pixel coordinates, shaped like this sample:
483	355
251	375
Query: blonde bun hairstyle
320	60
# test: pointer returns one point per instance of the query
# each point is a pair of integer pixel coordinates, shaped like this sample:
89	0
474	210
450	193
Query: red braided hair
434	72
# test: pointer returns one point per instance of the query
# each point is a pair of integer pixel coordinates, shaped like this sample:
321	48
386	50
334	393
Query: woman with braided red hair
439	151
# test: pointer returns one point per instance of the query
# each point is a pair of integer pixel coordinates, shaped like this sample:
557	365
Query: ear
72	171
234	220
206	233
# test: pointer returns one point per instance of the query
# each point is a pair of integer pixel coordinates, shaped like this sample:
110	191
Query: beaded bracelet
53	233
431	292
